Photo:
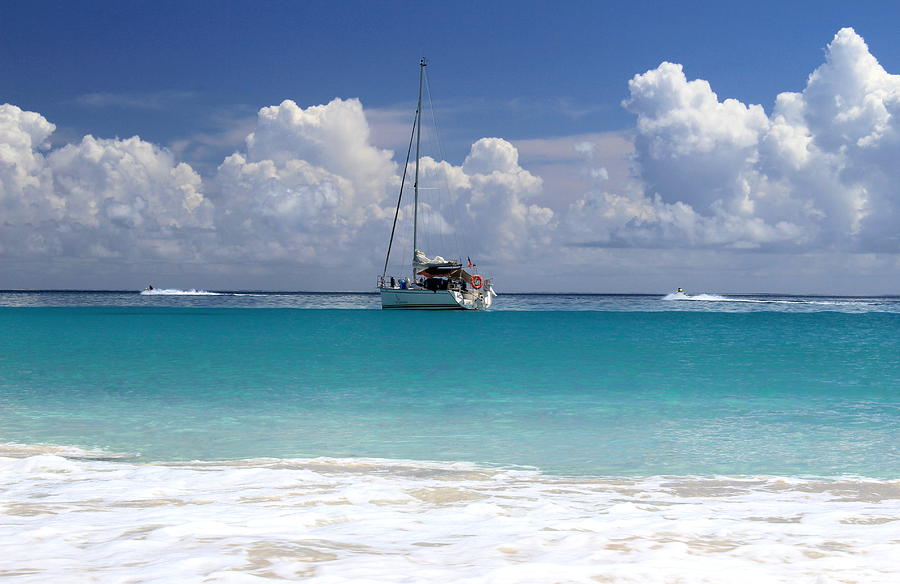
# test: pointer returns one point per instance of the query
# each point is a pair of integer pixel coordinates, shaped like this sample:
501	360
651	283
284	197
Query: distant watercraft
151	291
678	294
434	283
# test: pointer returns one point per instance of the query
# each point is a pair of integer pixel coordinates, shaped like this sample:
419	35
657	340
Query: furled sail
422	261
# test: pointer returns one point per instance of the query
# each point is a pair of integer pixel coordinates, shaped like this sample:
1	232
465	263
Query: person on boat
149	286
681	290
393	282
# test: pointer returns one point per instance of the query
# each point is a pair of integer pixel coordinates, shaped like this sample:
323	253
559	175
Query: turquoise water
571	385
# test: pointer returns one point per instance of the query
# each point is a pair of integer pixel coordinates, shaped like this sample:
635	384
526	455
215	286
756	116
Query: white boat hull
418	299
436	283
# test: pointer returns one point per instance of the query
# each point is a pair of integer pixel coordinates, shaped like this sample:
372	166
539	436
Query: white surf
68	519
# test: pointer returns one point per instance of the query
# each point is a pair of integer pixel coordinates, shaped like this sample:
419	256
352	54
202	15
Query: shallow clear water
578	392
576	438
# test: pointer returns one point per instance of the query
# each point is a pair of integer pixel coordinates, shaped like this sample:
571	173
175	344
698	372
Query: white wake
717	298
706	297
176	292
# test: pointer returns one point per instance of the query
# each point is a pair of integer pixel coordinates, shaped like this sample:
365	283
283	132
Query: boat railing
394	283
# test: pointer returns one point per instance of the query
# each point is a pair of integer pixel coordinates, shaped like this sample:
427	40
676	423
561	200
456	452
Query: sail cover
422	261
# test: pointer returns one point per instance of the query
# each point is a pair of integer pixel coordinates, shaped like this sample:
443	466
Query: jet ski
678	294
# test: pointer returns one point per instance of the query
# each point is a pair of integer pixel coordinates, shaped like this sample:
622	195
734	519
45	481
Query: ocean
256	437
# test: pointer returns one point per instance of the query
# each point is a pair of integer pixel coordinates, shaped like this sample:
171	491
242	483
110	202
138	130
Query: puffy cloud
306	187
129	198
23	173
489	203
98	198
310	189
851	109
500	188
490	155
334	137
271	212
125	183
688	142
819	173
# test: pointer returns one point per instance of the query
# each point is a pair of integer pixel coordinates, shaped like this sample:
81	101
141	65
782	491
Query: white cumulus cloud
308	184
818	173
309	189
491	205
126	199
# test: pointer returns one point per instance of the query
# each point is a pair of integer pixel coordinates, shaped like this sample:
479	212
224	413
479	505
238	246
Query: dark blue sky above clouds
534	69
580	147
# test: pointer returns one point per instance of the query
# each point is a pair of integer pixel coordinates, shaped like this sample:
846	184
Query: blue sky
563	66
549	78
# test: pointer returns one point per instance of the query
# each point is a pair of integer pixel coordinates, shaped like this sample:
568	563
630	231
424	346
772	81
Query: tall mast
422	65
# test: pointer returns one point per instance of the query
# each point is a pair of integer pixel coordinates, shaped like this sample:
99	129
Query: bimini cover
422	261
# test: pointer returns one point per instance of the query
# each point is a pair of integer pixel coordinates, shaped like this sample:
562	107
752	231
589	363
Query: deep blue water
585	385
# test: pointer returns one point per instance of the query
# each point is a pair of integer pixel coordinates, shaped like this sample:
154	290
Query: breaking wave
351	520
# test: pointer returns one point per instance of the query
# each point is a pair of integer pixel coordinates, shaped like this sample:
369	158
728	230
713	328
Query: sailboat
434	283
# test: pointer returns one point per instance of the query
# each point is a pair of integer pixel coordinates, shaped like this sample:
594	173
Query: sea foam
352	520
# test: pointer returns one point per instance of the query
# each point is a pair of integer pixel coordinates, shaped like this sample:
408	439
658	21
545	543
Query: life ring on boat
477	282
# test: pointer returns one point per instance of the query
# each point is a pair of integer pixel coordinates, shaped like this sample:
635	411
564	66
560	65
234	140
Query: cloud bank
309	192
309	199
816	174
95	199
